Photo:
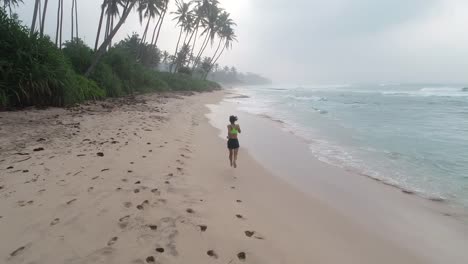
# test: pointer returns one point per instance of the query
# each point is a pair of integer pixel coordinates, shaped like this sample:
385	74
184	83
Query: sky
323	42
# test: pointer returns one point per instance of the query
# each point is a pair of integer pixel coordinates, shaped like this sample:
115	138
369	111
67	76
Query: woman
233	142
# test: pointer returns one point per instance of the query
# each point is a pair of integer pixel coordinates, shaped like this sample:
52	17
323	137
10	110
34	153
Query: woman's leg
235	157
230	155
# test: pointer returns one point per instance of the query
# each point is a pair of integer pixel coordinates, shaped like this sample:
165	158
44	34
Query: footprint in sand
212	253
203	228
190	211
71	201
150	259
239	201
55	221
128	204
239	216
112	241
153	227
17	251
118	189
90	189
241	256
136	190
123	221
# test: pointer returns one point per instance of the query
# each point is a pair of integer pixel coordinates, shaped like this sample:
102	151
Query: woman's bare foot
235	164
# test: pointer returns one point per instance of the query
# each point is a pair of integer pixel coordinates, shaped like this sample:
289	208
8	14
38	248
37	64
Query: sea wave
431	91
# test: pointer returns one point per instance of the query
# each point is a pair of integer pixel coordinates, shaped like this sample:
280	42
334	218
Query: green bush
34	72
79	54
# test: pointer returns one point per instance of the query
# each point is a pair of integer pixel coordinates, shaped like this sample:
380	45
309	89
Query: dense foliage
33	71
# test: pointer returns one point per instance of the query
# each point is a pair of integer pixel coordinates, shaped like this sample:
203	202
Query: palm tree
182	13
224	25
72	19
43	17
147	9
229	36
129	4
113	11
211	27
10	3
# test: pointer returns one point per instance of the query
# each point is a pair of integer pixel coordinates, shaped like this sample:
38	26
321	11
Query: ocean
412	136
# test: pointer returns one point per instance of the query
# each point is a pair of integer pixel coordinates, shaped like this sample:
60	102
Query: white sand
164	174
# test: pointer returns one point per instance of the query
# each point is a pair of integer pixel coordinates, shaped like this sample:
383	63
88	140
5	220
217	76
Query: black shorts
233	143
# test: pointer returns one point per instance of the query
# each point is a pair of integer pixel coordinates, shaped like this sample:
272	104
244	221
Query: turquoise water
411	136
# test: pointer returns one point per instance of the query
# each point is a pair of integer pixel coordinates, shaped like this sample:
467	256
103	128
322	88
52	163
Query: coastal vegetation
41	70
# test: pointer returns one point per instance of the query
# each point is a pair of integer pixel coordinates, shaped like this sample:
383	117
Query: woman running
233	142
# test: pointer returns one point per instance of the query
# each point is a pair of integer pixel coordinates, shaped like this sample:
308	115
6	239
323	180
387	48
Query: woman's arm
229	130
238	128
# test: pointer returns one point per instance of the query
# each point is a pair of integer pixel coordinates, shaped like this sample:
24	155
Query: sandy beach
147	180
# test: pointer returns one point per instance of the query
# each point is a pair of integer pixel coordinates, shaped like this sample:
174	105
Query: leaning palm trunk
154	31
99	27
195	62
214	62
160	25
43	17
143	39
33	24
177	47
102	49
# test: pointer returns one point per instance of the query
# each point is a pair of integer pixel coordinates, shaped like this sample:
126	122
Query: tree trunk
39	18
33	24
143	38
145	33
193	46
177	47
102	48
110	30
72	20
155	28
160	24
99	27
205	41
61	22
76	18
215	61
58	24
44	16
217	49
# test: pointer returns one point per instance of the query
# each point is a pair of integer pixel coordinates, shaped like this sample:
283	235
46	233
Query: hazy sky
333	41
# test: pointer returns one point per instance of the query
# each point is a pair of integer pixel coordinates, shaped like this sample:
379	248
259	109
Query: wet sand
147	180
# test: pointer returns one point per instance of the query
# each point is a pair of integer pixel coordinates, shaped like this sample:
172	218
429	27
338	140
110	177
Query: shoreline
462	209
348	192
149	182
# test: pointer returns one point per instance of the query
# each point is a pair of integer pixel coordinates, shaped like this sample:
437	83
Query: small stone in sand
211	253
249	233
190	211
38	149
203	228
100	154
241	256
153	227
150	259
160	250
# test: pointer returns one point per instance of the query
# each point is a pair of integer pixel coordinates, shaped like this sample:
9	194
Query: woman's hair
232	119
